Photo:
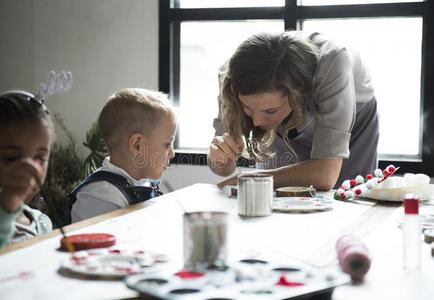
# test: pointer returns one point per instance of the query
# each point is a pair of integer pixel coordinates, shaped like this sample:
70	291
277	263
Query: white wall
16	44
107	44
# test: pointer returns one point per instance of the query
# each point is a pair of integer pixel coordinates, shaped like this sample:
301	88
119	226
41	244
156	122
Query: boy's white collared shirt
101	197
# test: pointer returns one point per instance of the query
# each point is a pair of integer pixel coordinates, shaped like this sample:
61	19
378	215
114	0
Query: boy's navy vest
133	194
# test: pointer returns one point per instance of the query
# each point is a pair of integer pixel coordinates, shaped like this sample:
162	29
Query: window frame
170	19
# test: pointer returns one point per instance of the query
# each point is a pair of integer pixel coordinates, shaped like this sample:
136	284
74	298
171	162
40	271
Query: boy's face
158	150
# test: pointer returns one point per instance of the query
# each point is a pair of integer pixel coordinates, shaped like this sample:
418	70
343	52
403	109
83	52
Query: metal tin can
205	240
255	195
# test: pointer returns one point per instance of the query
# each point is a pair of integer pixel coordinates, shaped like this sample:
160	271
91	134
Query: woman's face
267	110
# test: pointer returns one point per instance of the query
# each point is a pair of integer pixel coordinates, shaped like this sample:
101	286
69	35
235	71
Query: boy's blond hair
130	111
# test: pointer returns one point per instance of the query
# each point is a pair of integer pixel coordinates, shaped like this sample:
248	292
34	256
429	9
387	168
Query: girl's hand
20	180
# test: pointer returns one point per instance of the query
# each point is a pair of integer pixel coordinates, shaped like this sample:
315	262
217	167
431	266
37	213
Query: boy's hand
225	150
19	181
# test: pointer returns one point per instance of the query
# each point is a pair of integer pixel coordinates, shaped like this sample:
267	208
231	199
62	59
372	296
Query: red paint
78	260
115	251
123	269
390	169
185	274
89	241
358	191
284	282
369	176
411	204
352	182
386	173
22	276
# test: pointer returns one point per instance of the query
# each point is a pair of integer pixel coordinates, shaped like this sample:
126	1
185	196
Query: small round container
429	236
255	195
295	191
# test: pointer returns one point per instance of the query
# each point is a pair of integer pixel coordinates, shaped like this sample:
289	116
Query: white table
157	226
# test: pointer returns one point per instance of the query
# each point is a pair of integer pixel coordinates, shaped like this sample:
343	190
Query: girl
26	134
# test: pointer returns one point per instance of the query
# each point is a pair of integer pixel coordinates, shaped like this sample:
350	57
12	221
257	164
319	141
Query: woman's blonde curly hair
267	62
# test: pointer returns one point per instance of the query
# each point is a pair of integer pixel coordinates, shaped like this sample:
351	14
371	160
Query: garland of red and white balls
356	187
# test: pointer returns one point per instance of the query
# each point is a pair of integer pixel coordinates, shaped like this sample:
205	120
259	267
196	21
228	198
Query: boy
138	127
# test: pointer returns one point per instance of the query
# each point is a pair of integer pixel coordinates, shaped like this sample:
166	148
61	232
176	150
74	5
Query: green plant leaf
98	150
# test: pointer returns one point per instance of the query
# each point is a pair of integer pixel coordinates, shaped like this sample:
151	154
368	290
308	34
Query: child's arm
19	180
6	225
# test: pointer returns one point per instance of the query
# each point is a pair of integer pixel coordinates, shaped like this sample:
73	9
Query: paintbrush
250	143
68	243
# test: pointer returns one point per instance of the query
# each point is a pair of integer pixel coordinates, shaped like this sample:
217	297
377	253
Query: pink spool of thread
353	257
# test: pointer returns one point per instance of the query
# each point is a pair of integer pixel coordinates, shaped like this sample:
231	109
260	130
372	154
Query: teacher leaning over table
303	105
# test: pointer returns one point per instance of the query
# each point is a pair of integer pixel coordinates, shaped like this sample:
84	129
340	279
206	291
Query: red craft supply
353	257
352	182
390	169
358	191
89	241
186	274
285	282
369	176
411	204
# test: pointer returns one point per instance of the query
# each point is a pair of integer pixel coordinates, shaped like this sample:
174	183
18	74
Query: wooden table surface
157	226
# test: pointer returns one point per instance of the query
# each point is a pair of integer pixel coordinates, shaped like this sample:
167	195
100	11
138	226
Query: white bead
346	184
349	194
340	191
370	183
378	173
359	179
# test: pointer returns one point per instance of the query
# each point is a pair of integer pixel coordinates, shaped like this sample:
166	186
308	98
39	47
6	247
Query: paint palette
112	263
250	278
301	204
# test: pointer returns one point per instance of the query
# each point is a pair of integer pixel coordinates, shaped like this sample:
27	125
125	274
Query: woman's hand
223	154
19	181
230	181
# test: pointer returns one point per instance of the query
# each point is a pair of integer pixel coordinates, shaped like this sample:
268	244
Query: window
201	57
392	49
395	38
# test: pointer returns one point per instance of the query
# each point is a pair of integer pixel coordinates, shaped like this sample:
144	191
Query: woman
304	104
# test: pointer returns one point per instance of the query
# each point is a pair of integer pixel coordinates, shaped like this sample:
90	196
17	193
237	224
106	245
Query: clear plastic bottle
411	229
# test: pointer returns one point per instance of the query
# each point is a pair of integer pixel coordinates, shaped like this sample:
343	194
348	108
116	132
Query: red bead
369	176
358	191
391	169
352	182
